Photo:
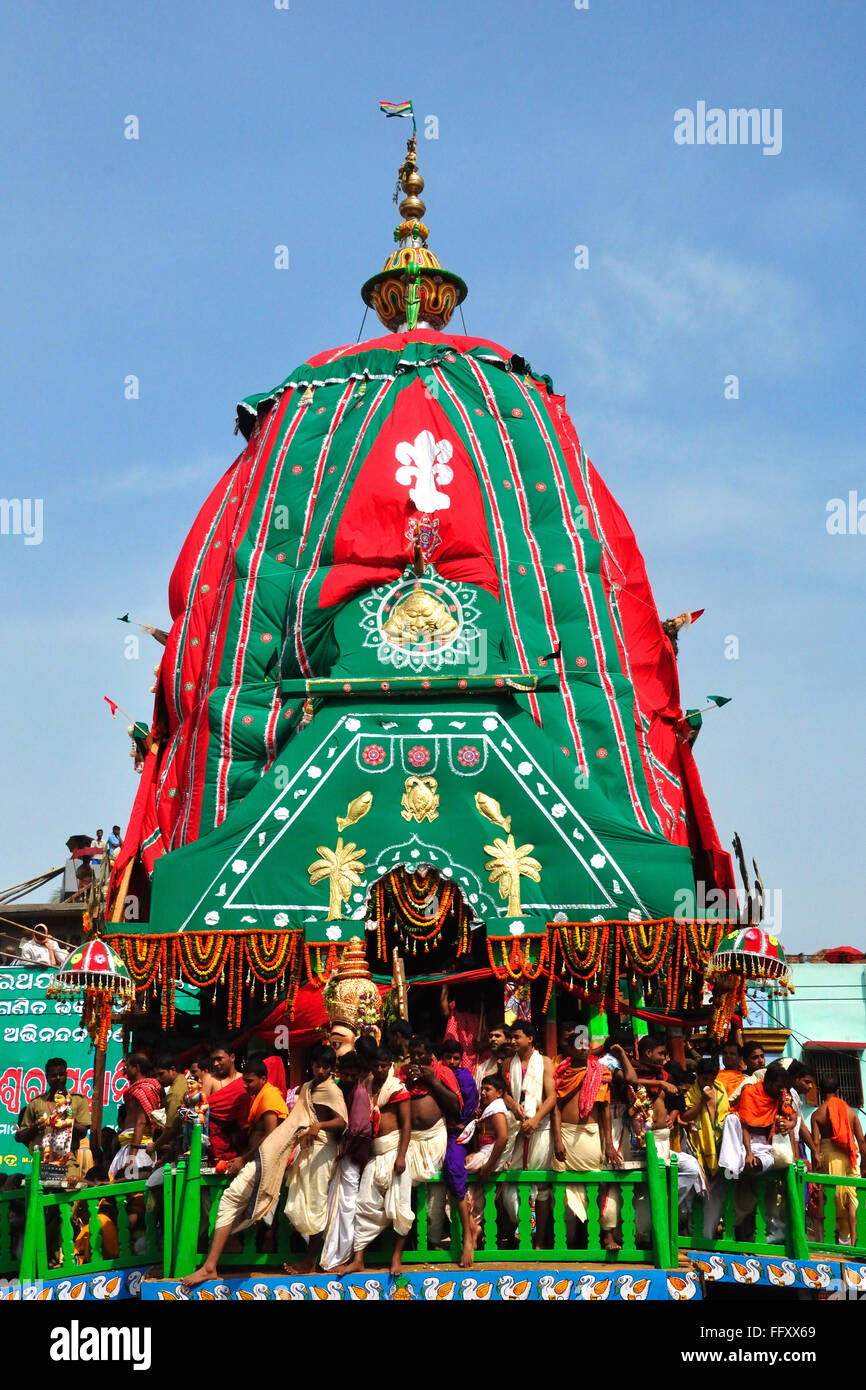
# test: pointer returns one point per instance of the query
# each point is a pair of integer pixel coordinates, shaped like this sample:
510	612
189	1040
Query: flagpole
116	708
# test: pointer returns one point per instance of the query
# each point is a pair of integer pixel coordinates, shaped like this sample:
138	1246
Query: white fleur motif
249	919
353	725
281	813
558	810
314	772
517	929
211	919
634	914
425	725
560	917
334	933
239	866
490	724
598	861
425	463
597	918
524	768
281	919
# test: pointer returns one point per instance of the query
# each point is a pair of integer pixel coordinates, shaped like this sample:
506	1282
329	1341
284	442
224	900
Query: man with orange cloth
267	1111
837	1133
582	1137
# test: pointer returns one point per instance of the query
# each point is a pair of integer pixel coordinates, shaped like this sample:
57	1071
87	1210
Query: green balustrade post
167	1218
659	1215
186	1248
32	1215
673	1196
798	1246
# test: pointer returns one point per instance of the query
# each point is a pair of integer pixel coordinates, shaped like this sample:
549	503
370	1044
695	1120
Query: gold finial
412	289
412	207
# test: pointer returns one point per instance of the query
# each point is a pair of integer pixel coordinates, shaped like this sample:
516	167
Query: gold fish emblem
420	800
489	807
355	810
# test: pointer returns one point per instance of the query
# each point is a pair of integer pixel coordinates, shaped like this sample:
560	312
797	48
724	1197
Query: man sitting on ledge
267	1110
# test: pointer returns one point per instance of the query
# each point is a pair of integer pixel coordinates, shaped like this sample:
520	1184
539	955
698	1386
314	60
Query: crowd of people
343	1151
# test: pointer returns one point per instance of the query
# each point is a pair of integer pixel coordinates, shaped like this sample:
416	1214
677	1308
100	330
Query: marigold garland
96	1016
398	902
647	944
513	959
321	971
584	948
209	959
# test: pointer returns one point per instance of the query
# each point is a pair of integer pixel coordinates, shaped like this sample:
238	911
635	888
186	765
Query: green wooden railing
786	1206
49	1235
178	1225
194	1214
829	1185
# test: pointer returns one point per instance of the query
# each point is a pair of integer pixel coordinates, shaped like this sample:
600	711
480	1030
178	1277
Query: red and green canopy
414	550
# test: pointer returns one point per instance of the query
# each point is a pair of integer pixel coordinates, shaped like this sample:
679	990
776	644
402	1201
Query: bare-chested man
582	1137
838	1136
385	1194
434	1093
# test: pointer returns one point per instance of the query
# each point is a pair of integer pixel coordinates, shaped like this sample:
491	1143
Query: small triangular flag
124	619
112	706
720	700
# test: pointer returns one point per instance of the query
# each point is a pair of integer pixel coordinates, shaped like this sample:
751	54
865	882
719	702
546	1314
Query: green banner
32	1029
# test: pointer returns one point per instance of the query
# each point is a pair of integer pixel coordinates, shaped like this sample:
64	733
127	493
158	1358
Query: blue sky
260	127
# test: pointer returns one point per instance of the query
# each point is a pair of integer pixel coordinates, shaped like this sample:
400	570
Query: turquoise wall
828	1005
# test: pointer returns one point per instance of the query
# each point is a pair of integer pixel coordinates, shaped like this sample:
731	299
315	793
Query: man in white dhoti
356	1147
385	1193
267	1112
582	1138
318	1119
434	1093
530	1078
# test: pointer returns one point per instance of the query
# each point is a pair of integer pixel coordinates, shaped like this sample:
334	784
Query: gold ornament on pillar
351	998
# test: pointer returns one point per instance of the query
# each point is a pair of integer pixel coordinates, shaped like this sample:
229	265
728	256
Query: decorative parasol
747	957
757	956
96	974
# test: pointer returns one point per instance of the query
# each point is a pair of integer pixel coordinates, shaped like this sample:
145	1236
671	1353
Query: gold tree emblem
509	864
342	867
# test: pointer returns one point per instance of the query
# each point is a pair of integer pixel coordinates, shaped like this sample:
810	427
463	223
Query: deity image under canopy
411	630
